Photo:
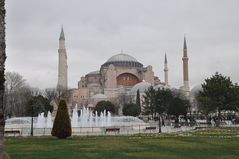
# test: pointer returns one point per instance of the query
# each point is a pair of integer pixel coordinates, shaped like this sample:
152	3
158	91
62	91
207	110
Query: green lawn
199	144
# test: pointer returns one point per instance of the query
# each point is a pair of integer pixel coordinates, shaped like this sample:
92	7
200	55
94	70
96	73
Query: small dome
142	87
195	90
122	60
99	96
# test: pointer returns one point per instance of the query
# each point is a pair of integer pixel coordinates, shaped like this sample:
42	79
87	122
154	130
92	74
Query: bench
150	128
116	130
14	132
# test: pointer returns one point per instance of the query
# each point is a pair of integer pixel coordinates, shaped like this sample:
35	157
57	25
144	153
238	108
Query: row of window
82	97
126	78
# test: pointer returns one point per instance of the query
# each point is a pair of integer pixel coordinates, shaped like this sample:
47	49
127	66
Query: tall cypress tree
62	123
138	100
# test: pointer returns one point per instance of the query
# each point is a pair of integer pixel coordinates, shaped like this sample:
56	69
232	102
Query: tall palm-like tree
3	154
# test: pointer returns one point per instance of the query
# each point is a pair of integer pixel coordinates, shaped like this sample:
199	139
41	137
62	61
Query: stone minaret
166	70
185	69
62	65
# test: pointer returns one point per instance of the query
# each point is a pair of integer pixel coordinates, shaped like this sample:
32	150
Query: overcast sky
95	30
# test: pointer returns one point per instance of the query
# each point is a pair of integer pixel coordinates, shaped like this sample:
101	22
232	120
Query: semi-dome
93	73
195	90
161	86
123	60
142	87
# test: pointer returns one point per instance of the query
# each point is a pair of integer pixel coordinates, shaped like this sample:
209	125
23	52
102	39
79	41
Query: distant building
116	77
117	80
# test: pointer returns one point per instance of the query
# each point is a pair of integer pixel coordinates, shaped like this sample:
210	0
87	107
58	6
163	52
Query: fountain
74	119
41	121
89	119
86	119
87	122
49	120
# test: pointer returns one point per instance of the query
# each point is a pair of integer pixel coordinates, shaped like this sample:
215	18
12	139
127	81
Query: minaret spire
166	70
62	65
184	43
165	59
185	68
62	35
121	51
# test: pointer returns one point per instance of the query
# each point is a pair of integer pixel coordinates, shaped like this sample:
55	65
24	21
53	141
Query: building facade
115	78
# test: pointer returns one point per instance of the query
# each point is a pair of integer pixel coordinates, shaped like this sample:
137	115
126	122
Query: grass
198	144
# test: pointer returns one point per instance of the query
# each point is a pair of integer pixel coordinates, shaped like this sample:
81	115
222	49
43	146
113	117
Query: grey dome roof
122	60
142	87
195	90
99	96
122	57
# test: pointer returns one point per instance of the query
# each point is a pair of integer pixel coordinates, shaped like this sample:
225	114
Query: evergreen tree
62	123
164	101
38	104
138	103
150	102
163	98
131	109
105	105
218	94
178	106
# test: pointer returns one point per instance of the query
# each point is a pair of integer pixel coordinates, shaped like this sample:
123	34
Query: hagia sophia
117	79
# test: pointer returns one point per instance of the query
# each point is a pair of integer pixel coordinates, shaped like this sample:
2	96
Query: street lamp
32	121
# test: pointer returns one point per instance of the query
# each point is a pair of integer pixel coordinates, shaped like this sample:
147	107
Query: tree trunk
3	154
176	121
218	122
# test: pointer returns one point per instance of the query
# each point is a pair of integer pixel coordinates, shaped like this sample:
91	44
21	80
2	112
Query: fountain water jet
49	120
74	119
41	121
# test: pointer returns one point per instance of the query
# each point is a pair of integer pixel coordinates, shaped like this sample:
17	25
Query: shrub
105	105
131	109
62	123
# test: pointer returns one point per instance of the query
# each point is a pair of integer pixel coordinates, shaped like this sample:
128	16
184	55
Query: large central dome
123	60
122	57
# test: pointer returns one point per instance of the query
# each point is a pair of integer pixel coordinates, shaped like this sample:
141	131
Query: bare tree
3	154
50	94
62	93
54	95
17	94
14	81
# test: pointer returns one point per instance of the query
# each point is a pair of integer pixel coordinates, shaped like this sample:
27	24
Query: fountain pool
85	124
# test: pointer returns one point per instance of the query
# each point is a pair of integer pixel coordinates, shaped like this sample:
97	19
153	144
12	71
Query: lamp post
32	122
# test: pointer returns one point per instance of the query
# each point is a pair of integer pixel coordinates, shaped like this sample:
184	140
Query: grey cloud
96	30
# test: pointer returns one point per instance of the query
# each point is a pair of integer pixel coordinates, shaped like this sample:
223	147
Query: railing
100	131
